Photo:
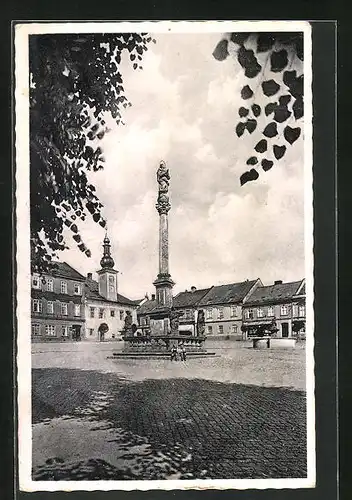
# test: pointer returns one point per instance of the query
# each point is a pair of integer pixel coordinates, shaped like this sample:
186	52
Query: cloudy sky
185	110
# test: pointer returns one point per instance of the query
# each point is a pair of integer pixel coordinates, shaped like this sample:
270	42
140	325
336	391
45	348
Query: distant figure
174	355
182	350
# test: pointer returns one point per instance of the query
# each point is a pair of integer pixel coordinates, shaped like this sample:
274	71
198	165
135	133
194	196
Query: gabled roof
189	299
225	294
274	293
64	270
92	292
302	289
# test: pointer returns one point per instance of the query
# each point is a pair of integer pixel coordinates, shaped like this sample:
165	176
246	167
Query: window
91	312
142	321
35	329
64	309
209	314
234	328
112	313
91	331
270	311
221	329
101	313
283	311
220	312
210	330
63	287
260	312
64	331
50	307
77	289
233	311
121	315
111	280
188	314
301	311
50	285
50	330
36	282
249	314
77	309
37	306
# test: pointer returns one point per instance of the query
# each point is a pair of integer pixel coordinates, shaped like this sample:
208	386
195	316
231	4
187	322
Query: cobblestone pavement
91	424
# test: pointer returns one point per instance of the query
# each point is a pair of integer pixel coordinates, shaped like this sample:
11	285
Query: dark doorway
76	332
284	329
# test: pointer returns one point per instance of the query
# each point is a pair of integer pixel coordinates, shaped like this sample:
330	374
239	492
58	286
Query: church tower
107	274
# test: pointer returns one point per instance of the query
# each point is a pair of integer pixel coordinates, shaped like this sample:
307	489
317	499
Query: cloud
185	109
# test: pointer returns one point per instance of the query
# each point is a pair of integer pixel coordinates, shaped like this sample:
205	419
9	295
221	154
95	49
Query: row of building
69	306
239	310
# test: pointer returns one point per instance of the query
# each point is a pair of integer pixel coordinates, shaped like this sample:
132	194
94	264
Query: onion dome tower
107	274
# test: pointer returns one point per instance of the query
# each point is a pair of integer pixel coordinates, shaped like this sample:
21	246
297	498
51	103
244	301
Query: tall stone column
163	283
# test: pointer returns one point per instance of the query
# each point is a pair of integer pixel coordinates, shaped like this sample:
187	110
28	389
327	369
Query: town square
166	306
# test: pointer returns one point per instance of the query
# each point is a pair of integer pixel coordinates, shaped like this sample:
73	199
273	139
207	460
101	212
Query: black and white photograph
164	233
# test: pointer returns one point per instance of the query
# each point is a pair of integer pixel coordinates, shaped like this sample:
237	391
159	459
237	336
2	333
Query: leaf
284	99
249	62
252	175
74	228
261	146
297	108
281	114
240	128
279	151
270	87
102	222
243	112
278	60
291	134
246	92
220	53
251	125
265	42
88	253
267	164
270	130
96	217
252	160
77	238
270	108
239	38
256	109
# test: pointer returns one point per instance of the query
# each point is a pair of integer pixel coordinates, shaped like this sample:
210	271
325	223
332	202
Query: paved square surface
239	415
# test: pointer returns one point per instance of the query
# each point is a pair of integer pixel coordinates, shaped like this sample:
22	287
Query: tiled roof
92	292
189	299
147	307
64	270
224	294
274	293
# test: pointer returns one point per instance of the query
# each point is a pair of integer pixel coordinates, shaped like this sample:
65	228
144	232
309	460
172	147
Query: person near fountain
174	353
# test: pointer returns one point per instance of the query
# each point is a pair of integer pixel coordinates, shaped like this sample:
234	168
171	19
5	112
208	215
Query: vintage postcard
164	230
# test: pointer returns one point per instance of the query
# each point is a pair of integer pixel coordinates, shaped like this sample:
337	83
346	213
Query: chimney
193	289
89	276
278	282
153	296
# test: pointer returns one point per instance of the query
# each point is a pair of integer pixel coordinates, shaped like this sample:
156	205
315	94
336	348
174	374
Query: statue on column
163	178
200	323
